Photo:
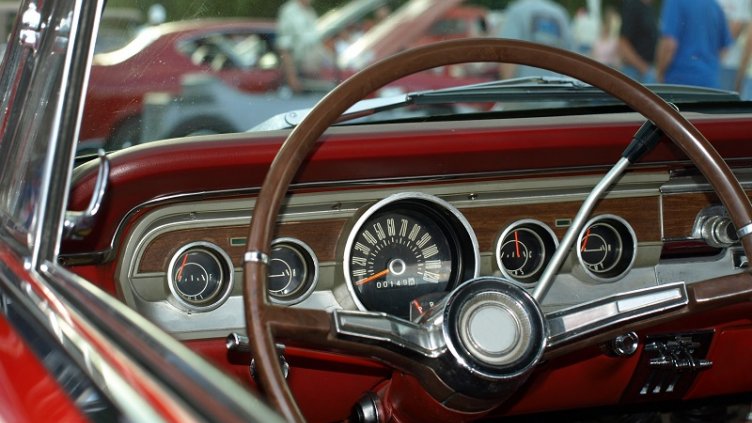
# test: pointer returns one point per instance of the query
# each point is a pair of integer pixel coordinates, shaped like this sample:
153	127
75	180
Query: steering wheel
324	330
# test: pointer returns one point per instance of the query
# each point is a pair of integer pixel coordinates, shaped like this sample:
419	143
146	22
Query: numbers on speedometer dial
397	253
405	249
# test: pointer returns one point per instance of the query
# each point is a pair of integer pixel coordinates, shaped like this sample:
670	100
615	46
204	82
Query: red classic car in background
239	52
240	55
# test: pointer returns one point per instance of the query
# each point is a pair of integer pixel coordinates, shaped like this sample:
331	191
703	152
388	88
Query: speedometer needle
372	277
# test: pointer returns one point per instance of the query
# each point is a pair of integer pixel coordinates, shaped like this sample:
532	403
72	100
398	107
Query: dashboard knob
719	232
624	345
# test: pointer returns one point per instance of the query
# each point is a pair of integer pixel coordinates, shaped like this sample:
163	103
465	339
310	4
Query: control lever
644	140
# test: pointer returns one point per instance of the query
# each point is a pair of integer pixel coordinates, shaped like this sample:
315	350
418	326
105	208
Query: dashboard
399	248
486	198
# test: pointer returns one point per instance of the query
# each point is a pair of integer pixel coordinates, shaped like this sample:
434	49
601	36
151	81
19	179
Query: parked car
238	52
556	264
207	105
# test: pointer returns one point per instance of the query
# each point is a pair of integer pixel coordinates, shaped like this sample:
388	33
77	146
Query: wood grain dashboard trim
323	235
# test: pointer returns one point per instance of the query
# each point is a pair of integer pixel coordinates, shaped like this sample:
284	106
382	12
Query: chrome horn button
491	327
494	328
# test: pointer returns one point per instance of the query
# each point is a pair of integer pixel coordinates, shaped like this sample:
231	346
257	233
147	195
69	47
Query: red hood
401	30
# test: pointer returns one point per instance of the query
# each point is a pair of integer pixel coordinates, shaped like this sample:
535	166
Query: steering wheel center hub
492	330
495	328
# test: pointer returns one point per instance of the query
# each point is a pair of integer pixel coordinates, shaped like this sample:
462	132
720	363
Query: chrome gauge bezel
626	235
226	282
470	265
546	236
312	274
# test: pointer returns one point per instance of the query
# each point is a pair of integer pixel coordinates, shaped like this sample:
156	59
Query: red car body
115	95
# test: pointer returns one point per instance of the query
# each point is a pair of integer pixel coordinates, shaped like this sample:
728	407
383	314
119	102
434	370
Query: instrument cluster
399	254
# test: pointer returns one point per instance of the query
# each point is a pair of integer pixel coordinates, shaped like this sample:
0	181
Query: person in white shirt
301	50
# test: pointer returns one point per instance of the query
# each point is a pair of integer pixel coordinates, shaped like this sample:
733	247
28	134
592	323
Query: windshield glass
167	69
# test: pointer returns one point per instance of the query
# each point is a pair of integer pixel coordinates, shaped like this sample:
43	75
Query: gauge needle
372	277
418	306
182	265
584	240
517	243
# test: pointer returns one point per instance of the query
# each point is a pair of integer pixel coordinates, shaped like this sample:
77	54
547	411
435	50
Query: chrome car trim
256	257
744	231
141	291
426	339
314	278
574	322
226	283
689	183
362	218
632	235
65	327
78	224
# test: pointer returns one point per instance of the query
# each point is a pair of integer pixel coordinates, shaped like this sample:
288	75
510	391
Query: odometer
403	249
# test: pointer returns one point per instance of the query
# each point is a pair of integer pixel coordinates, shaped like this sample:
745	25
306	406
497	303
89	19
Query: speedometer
405	247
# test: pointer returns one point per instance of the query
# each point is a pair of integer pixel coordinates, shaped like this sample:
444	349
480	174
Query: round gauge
293	271
524	249
407	246
200	276
607	247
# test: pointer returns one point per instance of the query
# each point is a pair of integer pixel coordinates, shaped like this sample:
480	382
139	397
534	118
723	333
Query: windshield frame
42	117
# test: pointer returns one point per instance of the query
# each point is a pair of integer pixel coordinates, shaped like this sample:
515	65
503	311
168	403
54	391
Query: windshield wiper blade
549	91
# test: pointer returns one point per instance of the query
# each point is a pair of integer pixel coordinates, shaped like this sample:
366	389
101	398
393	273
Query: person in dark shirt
637	39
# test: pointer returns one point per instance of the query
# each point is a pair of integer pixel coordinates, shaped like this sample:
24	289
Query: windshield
173	69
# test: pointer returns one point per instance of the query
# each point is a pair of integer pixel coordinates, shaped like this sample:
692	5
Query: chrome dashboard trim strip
684	184
104	256
574	322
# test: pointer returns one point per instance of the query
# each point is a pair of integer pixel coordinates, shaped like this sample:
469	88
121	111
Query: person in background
738	15
694	34
584	31
638	37
540	21
301	51
606	46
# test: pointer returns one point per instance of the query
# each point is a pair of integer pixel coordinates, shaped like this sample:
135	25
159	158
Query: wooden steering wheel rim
302	139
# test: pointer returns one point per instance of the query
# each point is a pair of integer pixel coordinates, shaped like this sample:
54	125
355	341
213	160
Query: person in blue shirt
693	37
